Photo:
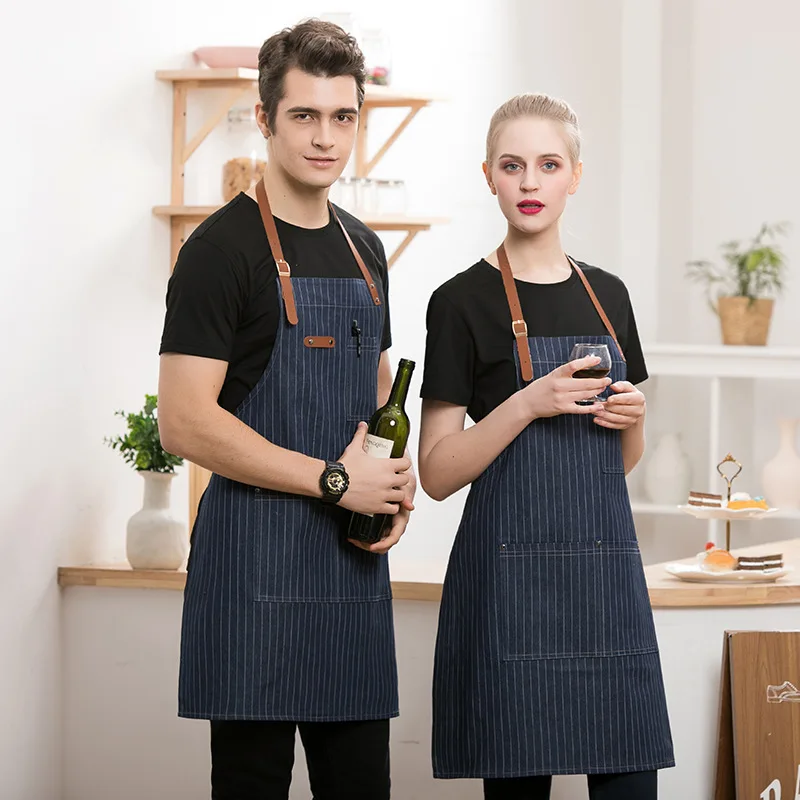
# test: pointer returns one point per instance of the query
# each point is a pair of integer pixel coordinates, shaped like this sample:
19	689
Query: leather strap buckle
288	272
523	329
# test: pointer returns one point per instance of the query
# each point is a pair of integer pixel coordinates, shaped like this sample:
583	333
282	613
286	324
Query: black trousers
254	760
628	786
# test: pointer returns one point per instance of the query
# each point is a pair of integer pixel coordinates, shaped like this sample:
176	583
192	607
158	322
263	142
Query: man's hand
623	409
377	485
399	521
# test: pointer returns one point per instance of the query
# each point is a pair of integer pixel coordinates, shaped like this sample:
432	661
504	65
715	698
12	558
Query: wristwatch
333	482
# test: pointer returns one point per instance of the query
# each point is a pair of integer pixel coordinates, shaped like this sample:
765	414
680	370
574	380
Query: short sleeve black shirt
222	298
469	357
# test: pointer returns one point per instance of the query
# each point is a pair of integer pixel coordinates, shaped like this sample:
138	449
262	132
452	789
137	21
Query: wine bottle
387	437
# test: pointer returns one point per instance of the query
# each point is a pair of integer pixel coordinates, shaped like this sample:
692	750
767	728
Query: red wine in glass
600	370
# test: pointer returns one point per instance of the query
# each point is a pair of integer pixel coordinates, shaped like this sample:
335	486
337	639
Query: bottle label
377	447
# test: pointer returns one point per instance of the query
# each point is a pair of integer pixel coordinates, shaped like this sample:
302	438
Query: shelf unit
717	363
239	82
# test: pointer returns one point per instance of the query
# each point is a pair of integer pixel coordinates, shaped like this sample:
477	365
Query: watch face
335	482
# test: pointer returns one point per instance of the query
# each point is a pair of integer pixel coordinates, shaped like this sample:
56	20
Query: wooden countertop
121	576
665	590
668	591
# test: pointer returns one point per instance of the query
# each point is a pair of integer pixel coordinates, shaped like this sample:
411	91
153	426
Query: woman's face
531	172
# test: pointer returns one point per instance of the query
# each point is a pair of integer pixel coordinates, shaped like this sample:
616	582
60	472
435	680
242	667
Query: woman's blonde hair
544	107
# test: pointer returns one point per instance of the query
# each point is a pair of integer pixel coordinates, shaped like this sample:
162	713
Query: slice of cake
760	563
703	500
740	500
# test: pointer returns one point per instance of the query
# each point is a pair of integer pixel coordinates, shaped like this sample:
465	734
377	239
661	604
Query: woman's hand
623	409
558	391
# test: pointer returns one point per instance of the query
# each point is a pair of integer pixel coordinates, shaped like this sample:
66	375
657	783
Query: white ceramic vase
781	476
667	474
156	540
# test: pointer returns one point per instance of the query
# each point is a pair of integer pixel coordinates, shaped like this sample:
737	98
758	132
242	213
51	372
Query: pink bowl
227	57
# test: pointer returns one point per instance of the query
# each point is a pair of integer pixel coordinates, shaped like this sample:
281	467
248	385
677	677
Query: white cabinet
726	370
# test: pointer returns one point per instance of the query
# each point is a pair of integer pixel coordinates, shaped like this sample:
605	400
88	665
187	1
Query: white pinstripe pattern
283	619
546	659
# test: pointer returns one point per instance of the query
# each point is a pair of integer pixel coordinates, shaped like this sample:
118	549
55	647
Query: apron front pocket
302	556
573	600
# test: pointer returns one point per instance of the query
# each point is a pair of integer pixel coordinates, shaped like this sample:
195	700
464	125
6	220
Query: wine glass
600	370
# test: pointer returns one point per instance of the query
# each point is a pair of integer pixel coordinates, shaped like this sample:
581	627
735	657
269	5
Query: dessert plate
727	513
692	573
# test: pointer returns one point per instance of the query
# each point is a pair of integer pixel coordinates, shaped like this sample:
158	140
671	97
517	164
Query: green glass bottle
387	437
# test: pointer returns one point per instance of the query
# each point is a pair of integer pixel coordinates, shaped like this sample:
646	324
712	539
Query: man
274	351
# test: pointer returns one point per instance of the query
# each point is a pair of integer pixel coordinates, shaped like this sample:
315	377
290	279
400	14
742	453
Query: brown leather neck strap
285	271
520	327
597	306
518	324
376	298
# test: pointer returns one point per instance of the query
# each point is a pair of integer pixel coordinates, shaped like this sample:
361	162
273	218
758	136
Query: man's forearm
218	441
633	445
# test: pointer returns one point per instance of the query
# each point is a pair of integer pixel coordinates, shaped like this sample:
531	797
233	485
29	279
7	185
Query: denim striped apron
283	619
546	657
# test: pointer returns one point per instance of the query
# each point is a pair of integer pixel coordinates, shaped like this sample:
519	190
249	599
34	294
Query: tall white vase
781	476
667	474
155	539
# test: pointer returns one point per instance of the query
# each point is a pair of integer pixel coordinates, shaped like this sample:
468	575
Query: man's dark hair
314	46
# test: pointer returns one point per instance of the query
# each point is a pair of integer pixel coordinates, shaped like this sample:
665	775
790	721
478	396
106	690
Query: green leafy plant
751	270
141	445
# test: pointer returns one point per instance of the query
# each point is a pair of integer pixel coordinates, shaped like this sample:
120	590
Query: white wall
84	154
84	149
728	163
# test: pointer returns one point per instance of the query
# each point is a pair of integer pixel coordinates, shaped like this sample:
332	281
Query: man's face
315	127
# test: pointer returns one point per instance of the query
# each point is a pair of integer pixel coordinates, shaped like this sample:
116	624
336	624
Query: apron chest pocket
573	600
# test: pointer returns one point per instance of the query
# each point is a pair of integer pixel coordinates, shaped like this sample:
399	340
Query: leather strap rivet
311	341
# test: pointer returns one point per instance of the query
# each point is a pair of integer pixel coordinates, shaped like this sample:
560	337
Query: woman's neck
536	258
293	202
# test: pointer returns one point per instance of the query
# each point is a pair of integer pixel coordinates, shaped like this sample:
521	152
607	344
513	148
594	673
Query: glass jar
345	194
246	144
366	197
376	46
391	197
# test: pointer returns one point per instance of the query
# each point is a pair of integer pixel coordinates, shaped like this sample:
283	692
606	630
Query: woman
546	658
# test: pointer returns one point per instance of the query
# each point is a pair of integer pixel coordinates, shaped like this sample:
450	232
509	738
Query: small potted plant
155	540
742	291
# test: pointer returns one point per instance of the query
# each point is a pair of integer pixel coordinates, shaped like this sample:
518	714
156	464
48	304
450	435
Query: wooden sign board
758	756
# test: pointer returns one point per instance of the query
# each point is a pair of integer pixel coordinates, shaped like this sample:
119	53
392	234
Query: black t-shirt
222	298
469	357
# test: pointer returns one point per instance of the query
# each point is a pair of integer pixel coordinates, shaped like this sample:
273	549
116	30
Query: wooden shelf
193	215
208	76
197	214
238	83
121	576
374	96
